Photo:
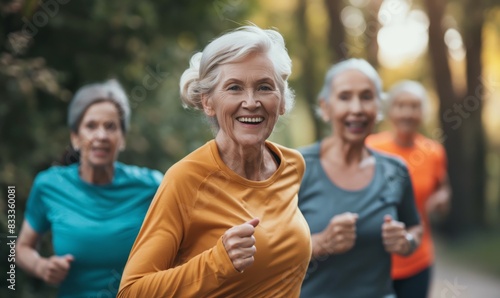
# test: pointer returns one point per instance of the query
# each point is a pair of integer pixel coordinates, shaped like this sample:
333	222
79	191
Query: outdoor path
454	280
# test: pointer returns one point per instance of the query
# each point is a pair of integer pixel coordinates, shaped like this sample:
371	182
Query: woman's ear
207	103
75	141
325	110
282	107
122	145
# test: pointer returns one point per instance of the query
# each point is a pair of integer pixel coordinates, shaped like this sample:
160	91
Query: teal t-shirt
364	270
97	224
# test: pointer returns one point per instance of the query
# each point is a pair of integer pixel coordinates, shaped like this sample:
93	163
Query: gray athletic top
363	271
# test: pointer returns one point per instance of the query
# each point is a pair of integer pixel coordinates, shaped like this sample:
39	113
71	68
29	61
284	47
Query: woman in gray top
358	203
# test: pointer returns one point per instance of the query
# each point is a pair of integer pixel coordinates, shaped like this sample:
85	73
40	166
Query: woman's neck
348	165
253	163
344	153
404	139
96	175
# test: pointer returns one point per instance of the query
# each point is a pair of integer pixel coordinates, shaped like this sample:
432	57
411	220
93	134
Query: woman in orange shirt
426	161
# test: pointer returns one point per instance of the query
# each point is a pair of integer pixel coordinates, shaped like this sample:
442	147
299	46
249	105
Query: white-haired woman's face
246	102
352	106
99	137
406	112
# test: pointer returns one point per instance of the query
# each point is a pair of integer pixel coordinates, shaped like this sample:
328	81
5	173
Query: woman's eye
234	88
91	125
111	126
265	88
367	96
344	96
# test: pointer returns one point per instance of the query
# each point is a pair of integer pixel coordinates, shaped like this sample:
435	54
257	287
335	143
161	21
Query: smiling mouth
407	121
100	151
250	120
356	124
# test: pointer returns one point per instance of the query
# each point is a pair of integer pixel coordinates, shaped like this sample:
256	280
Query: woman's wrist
40	264
318	245
411	244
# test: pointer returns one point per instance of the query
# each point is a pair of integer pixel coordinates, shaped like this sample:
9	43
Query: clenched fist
239	243
393	236
338	237
54	269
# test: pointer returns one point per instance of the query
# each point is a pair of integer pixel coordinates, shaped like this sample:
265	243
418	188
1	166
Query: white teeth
355	124
251	120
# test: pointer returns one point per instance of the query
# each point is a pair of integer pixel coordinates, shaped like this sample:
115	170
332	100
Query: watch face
411	240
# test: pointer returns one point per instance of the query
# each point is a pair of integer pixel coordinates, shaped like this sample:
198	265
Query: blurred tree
308	78
336	32
372	28
460	115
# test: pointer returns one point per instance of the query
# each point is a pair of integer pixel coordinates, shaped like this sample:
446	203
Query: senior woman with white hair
426	159
94	206
358	203
225	221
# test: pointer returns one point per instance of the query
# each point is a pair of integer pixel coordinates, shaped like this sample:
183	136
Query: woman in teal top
95	207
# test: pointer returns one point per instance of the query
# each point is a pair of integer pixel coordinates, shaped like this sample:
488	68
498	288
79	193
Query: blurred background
48	49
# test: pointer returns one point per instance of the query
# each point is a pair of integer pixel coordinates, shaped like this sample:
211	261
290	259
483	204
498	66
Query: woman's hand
439	202
394	236
338	237
54	269
239	243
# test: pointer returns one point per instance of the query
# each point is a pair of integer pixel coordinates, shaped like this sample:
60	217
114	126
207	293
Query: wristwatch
413	243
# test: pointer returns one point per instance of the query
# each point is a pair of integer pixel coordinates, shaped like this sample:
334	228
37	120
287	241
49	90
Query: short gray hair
203	72
412	87
87	95
351	64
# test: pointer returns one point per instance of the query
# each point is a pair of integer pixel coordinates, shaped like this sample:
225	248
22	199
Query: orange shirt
426	161
179	250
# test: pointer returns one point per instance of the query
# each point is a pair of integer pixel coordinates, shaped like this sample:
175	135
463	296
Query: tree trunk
336	32
308	70
372	28
462	127
474	139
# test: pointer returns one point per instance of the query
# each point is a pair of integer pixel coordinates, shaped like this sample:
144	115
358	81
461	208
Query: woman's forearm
29	260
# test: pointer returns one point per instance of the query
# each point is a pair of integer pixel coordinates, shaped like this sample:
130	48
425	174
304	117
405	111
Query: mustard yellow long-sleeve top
179	250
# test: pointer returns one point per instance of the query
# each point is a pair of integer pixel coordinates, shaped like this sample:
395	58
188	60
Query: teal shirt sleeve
157	178
36	211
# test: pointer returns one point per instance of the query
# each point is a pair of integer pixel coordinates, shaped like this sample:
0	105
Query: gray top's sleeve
407	211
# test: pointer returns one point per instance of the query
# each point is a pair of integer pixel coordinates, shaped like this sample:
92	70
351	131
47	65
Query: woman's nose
101	133
250	102
355	105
